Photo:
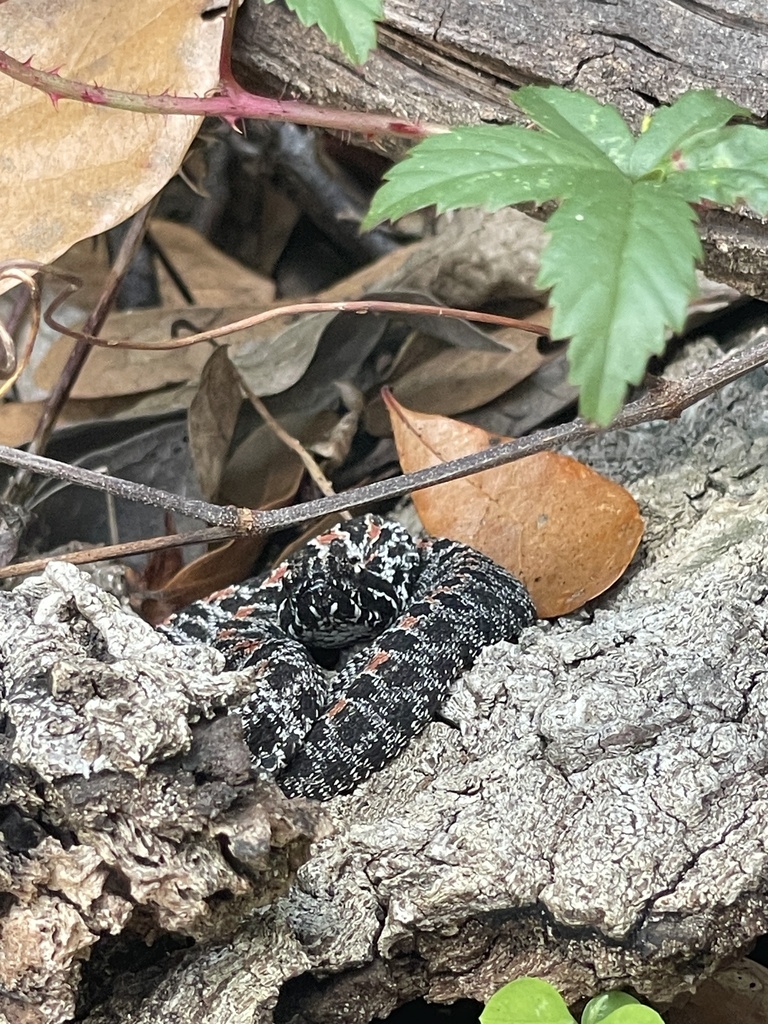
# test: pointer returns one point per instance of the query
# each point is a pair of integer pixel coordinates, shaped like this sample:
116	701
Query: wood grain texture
591	809
456	62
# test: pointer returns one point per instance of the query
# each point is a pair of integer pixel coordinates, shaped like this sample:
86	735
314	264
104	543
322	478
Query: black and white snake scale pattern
431	606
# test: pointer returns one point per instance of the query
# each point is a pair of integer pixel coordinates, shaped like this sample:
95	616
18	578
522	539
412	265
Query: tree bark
118	817
589	809
455	62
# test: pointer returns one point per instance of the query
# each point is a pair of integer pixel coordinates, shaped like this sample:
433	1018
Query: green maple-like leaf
621	258
697	112
620	264
351	24
484	166
577	118
729	167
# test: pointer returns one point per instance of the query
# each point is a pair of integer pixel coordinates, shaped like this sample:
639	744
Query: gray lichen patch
593	810
119	815
589	808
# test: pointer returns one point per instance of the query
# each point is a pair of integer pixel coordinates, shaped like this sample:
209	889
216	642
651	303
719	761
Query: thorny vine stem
664	400
232	102
21	484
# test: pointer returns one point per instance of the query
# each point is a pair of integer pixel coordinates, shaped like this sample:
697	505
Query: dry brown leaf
566	531
517	340
75	170
213	278
19	419
263	472
160	567
433	377
230	563
212	417
110	372
454	381
125	371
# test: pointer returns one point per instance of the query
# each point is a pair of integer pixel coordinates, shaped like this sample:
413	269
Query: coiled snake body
431	607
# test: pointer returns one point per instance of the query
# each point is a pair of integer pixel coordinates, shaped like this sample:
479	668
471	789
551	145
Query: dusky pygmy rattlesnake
431	606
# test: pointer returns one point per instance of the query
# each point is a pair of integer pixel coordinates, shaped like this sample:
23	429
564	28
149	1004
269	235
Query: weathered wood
454	62
590	809
116	816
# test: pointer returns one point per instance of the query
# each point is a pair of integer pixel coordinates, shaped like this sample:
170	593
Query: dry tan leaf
19	419
433	377
517	340
124	371
110	372
213	278
279	217
270	358
454	381
566	531
212	417
262	472
76	170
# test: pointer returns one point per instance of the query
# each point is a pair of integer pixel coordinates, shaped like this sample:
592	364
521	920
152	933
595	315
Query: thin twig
68	377
60	392
664	401
217	515
359	306
310	464
15	366
108	552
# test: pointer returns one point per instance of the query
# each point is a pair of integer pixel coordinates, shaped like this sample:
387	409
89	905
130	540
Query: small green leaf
728	167
634	1014
577	118
526	1001
601	1006
670	127
620	263
351	24
622	252
485	165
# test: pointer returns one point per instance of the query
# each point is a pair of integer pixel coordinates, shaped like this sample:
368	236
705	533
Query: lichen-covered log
456	62
590	809
116	817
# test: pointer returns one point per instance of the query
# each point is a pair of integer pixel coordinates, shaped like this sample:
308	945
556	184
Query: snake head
348	583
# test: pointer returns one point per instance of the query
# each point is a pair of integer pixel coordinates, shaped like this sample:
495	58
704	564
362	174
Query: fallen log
458	63
590	808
